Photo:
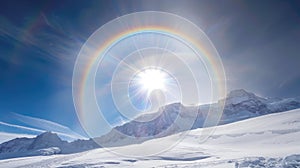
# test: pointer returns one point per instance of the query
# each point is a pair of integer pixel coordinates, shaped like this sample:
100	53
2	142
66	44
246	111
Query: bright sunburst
147	85
152	79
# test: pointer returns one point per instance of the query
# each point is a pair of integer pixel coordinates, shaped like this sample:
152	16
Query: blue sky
258	42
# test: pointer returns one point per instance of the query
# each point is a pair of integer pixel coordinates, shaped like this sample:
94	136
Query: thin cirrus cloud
5	136
39	125
54	45
19	127
17	131
38	42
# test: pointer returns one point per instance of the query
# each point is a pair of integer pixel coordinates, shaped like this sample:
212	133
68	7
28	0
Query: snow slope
271	140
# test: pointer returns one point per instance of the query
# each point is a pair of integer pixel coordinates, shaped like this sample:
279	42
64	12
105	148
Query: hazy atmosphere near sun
258	43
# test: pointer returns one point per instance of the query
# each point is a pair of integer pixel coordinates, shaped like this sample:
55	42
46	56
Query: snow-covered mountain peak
239	93
237	96
45	140
49	136
47	143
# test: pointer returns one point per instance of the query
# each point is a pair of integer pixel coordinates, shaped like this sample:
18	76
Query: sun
152	79
147	86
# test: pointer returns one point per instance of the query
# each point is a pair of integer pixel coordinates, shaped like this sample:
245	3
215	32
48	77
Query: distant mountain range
170	119
44	144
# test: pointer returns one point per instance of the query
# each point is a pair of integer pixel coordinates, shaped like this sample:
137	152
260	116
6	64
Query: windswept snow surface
268	141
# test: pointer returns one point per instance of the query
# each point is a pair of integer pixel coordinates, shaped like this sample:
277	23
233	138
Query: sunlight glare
152	79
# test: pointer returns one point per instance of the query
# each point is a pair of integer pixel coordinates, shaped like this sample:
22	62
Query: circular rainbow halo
147	62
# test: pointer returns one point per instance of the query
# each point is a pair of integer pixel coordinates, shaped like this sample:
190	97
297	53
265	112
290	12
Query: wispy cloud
42	125
21	127
4	136
43	34
41	40
30	132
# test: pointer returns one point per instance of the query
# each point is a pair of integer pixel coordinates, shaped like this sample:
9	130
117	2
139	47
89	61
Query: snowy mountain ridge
268	141
239	105
47	143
